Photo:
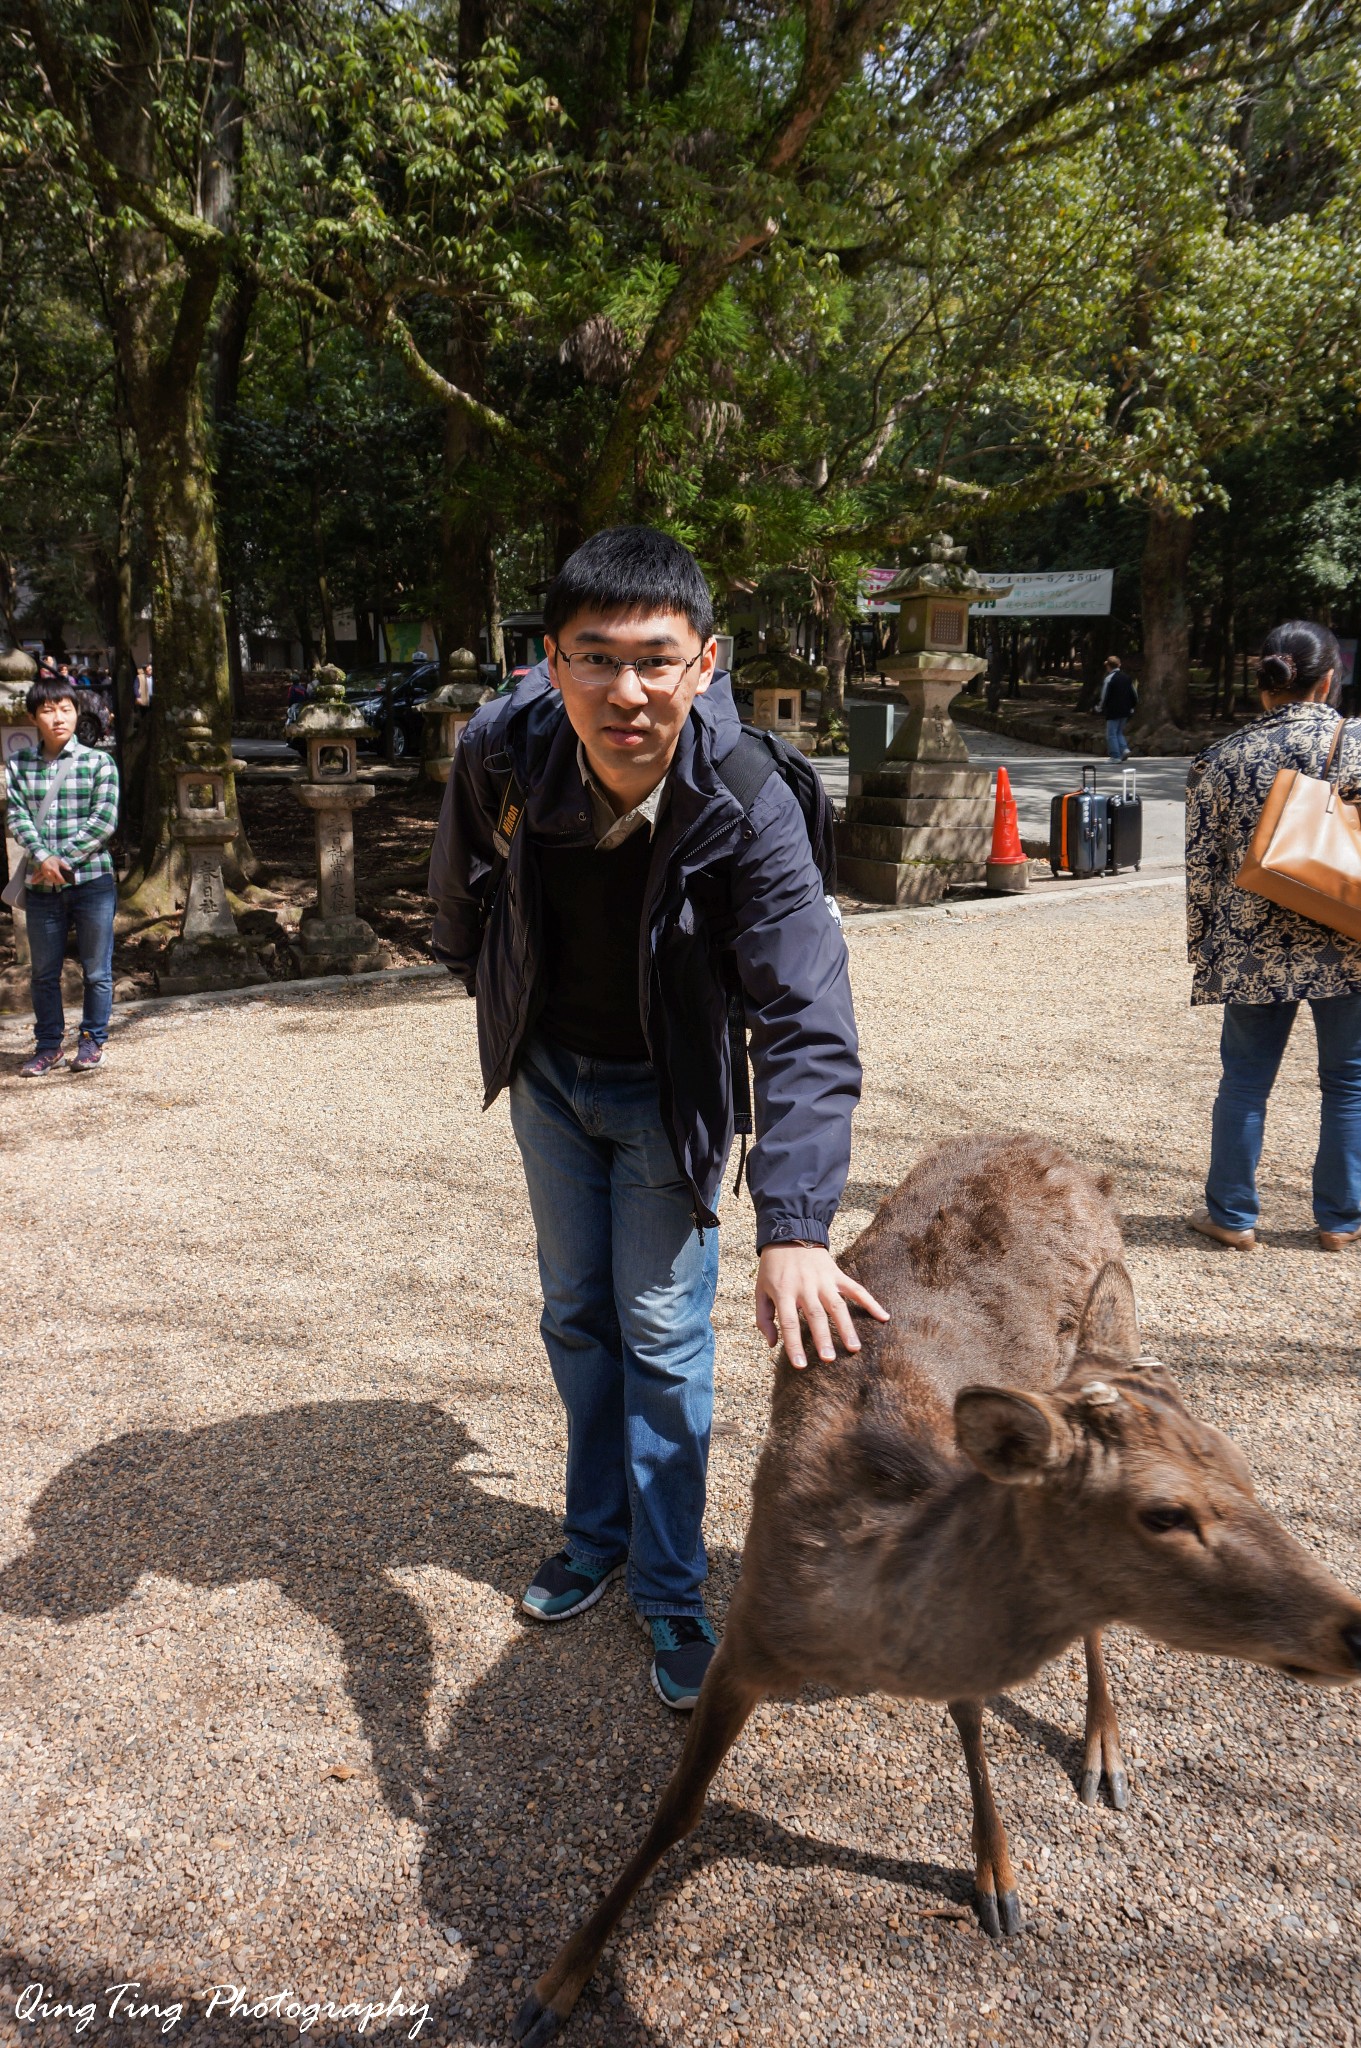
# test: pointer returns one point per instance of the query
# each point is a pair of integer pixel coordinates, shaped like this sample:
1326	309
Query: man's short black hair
629	569
51	690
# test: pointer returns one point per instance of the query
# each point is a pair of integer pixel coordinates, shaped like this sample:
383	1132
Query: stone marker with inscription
332	939
17	731
210	951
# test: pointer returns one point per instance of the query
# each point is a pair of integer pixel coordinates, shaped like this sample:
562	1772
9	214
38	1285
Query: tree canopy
396	303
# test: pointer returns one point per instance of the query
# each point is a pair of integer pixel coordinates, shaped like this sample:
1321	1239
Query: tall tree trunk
834	696
162	301
318	536
640	41
188	633
496	646
462	532
1165	693
132	744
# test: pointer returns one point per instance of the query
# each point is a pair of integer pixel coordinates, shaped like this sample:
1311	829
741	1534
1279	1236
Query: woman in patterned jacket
1261	961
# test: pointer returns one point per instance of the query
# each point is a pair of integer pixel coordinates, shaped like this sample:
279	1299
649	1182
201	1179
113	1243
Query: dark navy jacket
719	879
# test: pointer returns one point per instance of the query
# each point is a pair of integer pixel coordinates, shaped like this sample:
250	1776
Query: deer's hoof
1117	1784
999	1913
534	2023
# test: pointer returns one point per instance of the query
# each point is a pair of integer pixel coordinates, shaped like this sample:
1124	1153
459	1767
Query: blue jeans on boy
628	1286
51	912
1251	1047
1117	746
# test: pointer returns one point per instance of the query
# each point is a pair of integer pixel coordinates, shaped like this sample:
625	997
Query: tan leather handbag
1306	850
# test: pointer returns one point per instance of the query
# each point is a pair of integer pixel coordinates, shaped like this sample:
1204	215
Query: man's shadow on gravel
327	1501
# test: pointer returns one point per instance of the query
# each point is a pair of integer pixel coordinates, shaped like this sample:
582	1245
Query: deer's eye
1161	1520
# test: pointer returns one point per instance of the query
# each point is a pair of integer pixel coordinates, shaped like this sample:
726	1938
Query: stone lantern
17	731
448	710
777	680
331	939
923	819
209	952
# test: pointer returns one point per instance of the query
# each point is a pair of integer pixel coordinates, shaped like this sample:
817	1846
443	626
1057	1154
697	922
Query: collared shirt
611	830
81	822
1243	948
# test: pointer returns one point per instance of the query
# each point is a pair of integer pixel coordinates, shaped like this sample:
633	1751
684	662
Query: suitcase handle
1128	786
1086	771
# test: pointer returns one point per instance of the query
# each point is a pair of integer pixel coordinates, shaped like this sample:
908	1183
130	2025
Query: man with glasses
598	886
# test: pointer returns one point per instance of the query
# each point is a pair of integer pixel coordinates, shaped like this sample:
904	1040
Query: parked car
94	717
386	694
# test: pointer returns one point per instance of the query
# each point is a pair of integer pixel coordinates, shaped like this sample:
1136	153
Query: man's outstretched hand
804	1280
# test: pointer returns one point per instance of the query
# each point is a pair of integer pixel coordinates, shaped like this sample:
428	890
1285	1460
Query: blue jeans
1117	746
50	913
1251	1046
628	1286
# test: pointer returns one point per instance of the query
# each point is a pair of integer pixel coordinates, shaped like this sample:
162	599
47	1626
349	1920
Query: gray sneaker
565	1585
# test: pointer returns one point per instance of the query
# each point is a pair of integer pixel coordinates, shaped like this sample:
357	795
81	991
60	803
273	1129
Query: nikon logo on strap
508	818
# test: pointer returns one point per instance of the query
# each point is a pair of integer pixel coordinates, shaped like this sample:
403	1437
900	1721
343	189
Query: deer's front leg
1101	1757
726	1700
995	1895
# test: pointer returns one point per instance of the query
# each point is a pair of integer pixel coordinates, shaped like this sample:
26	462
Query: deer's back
984	1258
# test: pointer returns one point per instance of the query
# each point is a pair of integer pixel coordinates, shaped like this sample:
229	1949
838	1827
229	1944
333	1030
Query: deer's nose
1352	1638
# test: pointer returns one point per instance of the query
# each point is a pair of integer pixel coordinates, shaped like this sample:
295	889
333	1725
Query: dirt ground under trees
283	1451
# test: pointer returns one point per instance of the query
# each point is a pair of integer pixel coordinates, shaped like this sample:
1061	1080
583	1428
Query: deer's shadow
328	1501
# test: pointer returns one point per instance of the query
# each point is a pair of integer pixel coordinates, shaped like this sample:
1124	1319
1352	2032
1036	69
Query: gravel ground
283	1449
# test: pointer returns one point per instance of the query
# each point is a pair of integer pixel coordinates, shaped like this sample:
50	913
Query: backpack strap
508	821
746	770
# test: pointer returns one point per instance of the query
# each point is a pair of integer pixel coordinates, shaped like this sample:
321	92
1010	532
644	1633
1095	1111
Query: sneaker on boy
564	1586
597	885
41	1063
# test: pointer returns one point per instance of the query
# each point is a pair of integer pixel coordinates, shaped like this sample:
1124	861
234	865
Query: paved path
1037	774
1040	773
281	1452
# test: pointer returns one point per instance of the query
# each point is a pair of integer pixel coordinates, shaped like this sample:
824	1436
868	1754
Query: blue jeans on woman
1117	746
628	1286
1251	1047
51	913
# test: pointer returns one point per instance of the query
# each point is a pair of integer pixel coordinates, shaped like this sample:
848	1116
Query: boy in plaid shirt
70	876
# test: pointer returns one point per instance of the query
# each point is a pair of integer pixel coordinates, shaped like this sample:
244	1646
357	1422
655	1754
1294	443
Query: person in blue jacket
596	884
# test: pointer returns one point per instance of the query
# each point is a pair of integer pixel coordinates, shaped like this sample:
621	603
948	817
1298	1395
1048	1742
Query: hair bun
1277	672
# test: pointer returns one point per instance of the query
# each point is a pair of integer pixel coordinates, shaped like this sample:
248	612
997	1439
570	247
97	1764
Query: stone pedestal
916	828
331	938
922	821
17	731
210	952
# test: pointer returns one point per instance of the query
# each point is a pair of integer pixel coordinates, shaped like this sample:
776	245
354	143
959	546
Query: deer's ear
1110	1324
1013	1438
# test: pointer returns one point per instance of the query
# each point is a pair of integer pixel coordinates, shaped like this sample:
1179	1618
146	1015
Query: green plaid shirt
81	822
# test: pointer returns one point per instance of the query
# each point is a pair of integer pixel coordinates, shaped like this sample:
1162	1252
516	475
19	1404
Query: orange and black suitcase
1079	829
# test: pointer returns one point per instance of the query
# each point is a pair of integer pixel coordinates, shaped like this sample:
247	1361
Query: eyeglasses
660	672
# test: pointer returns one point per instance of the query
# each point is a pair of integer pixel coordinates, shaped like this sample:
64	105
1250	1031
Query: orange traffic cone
1007	869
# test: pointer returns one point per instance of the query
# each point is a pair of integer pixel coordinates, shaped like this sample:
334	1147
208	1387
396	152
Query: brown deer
997	1472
